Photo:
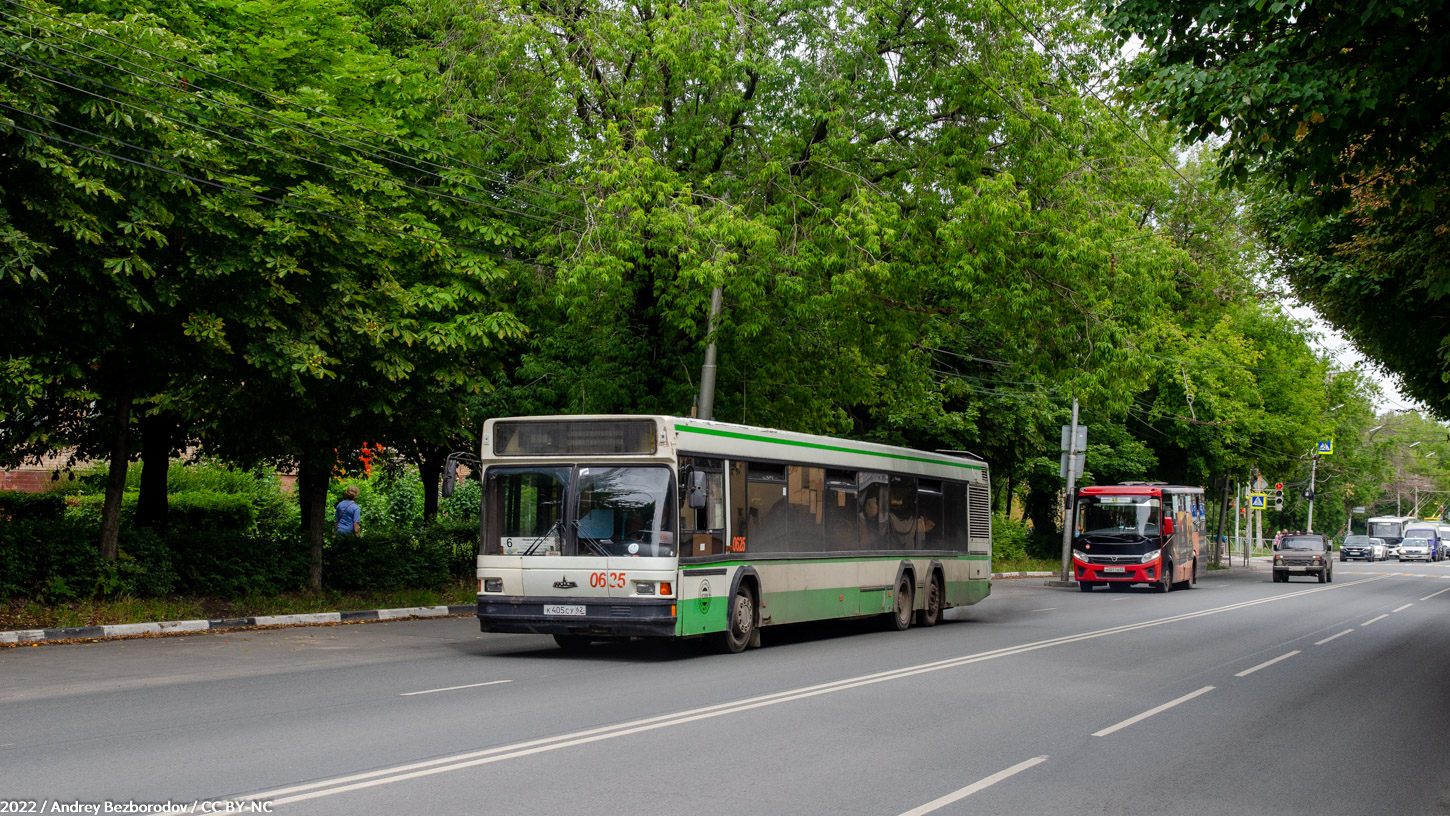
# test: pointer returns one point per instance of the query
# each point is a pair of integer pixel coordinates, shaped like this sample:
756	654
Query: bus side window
805	510
872	489
768	510
739	510
703	529
929	504
843	532
954	496
904	529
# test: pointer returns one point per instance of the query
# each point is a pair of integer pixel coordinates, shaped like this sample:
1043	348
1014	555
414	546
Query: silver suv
1303	554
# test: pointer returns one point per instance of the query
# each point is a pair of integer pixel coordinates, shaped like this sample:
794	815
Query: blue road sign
1326	447
1256	501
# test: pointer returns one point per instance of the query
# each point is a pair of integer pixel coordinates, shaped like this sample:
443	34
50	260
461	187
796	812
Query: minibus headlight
1151	556
493	585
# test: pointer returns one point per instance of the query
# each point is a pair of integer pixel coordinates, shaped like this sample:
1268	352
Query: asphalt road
1238	697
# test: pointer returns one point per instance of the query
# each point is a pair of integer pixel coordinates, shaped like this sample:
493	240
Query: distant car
1303	554
1362	548
1416	549
1392	550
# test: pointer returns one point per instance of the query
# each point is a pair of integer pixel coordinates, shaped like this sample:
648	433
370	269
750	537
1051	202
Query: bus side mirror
1168	526
450	476
695	489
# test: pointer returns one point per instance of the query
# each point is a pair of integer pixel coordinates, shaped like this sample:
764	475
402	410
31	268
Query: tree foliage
1338	114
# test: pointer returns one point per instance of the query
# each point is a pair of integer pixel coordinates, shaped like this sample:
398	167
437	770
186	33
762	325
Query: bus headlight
493	585
644	588
1149	557
1080	555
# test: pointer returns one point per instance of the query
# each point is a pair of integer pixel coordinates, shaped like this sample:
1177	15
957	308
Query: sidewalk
170	627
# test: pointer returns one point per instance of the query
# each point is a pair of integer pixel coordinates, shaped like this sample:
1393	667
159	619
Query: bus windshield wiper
595	544
534	545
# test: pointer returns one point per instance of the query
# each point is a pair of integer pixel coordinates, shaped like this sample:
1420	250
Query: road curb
1022	574
165	627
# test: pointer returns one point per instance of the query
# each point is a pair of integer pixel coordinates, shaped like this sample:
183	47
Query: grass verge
29	614
1027	565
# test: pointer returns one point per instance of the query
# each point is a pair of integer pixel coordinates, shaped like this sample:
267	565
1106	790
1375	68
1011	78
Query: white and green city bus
598	527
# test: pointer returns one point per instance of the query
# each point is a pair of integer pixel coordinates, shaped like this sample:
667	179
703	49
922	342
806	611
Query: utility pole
1256	535
1067	501
1313	464
707	372
1238	515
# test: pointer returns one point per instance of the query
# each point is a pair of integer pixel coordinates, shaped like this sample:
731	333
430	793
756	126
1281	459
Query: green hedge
213	547
196	510
17	506
424	557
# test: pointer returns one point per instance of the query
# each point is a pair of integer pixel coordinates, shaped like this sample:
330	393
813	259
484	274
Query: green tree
1337	112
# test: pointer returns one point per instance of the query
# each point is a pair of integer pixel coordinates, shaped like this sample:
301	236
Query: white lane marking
1120	599
487	755
454	688
1372	620
1150	712
1266	664
1048	609
1402	608
1433	594
1332	637
957	796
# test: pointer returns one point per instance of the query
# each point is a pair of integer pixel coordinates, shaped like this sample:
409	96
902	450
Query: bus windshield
1120	518
626	511
598	510
1384	529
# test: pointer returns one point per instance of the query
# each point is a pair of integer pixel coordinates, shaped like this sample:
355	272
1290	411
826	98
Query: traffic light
1279	496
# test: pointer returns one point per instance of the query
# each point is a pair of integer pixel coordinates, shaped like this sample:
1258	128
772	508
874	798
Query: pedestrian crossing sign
1257	500
1326	447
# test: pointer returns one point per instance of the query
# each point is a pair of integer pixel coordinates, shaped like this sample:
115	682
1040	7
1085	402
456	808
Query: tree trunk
312	480
431	471
116	481
158	439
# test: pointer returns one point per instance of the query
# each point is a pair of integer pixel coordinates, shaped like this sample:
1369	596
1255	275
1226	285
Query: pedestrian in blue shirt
349	514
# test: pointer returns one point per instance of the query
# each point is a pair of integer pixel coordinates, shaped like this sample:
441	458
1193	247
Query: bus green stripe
906	555
818	446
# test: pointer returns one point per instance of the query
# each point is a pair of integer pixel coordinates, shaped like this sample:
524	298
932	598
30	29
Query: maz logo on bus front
606	579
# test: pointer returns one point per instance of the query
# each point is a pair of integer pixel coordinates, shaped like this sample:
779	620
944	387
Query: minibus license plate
1115	569
575	610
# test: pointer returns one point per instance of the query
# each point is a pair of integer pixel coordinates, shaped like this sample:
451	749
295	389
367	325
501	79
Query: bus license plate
1115	569
557	609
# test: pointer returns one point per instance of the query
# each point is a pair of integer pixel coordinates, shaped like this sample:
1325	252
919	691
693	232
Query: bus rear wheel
740	629
931	613
905	599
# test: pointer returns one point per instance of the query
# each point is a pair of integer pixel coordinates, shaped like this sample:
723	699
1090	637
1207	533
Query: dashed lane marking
1266	664
1150	712
958	795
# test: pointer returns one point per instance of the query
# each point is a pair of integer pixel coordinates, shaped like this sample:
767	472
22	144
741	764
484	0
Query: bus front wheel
740	629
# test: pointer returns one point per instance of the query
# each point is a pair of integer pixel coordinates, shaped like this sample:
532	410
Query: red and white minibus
1138	533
